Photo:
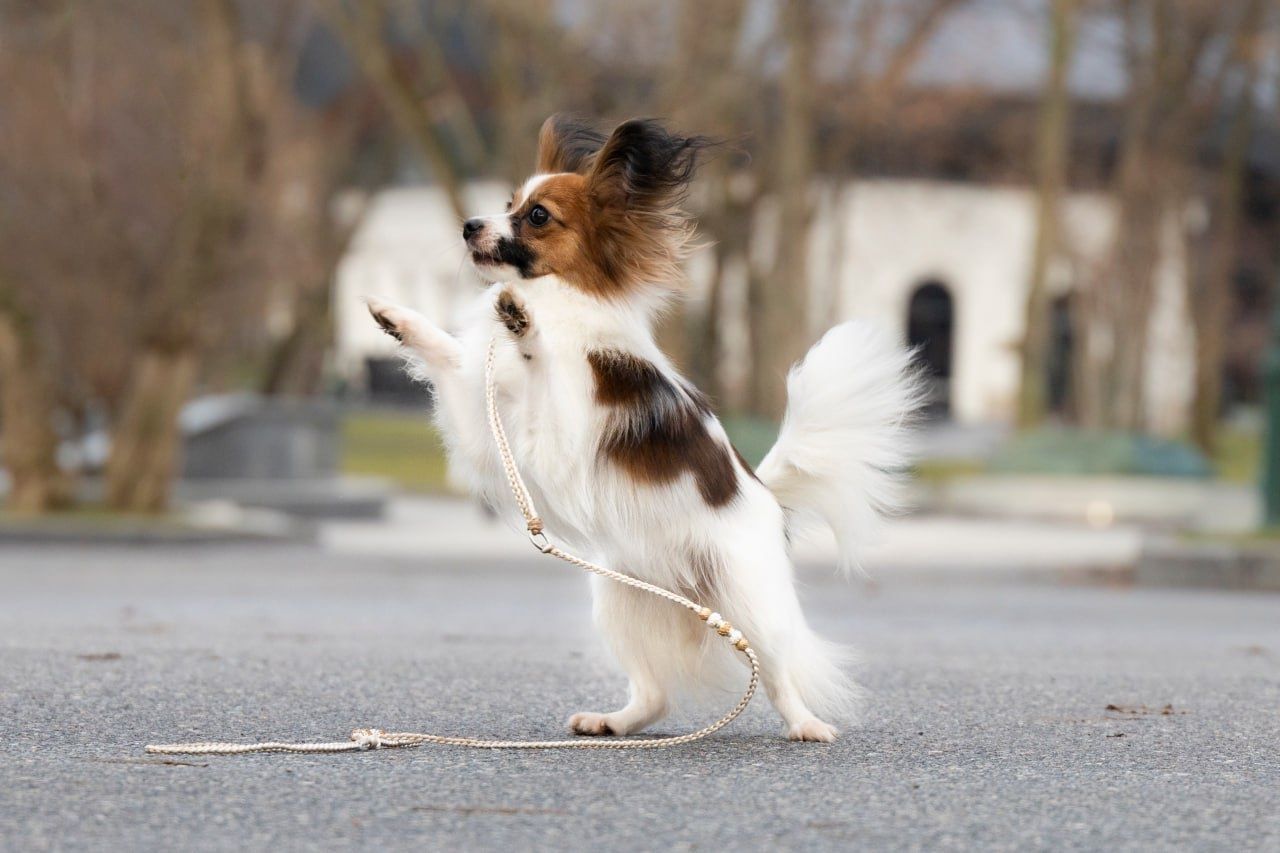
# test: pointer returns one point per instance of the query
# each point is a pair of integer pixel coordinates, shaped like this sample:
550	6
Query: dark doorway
930	328
1061	347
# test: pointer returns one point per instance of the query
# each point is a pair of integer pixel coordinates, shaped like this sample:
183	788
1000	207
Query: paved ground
423	527
988	727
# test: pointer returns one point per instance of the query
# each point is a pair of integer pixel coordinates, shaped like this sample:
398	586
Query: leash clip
540	541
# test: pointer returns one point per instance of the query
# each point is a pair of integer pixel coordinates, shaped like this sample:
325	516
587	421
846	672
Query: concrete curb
1171	562
210	524
1169	503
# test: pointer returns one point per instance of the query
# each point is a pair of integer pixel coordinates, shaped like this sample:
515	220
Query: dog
625	458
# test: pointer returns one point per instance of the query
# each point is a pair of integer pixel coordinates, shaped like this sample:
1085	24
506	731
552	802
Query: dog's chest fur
613	441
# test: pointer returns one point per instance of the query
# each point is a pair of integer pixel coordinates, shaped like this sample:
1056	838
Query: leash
362	739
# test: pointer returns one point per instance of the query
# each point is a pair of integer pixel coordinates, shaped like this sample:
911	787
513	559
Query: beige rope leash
362	739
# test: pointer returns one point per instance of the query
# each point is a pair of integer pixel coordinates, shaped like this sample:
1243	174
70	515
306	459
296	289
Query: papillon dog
625	458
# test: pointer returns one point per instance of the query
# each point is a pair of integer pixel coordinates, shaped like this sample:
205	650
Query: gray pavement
988	725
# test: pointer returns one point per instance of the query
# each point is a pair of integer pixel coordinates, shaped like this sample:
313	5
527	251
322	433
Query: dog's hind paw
587	723
812	730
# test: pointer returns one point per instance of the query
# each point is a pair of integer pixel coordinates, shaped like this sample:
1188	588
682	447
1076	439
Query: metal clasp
540	541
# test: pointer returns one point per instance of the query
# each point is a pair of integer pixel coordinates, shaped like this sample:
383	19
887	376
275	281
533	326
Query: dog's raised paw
512	313
386	316
812	730
587	723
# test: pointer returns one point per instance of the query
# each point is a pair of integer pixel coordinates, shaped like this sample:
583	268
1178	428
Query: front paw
587	723
390	317
513	314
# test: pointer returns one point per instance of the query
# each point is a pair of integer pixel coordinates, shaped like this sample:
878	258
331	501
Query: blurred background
226	515
1069	207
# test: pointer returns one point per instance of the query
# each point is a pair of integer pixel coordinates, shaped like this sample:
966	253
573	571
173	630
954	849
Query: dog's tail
844	447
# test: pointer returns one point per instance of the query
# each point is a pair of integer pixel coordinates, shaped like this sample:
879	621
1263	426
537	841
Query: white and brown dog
625	458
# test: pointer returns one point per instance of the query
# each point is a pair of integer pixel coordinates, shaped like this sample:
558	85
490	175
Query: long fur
624	458
843	451
637	183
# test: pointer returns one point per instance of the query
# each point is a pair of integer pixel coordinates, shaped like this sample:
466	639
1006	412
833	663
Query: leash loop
370	739
540	541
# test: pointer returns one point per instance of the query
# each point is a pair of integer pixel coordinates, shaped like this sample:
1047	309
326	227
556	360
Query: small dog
625	458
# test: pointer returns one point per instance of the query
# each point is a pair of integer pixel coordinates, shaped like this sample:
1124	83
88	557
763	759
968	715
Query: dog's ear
644	168
567	144
637	181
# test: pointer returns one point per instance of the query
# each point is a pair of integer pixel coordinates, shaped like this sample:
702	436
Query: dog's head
602	213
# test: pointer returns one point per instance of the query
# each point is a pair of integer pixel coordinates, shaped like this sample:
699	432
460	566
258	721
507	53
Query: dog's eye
538	216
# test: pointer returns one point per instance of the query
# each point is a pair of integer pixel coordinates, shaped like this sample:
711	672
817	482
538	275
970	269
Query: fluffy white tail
844	446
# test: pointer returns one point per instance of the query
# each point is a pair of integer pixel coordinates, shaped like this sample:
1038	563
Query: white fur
546	397
844	447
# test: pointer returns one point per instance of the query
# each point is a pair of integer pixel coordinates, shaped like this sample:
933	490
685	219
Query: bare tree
871	77
216	156
1210	293
1052	146
304	213
1174	86
47	243
778	302
703	92
364	28
29	442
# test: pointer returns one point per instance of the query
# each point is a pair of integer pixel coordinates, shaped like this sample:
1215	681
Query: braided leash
362	739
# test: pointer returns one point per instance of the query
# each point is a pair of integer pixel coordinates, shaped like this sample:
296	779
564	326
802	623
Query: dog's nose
471	226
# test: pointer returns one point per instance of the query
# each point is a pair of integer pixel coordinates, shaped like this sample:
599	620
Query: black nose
470	227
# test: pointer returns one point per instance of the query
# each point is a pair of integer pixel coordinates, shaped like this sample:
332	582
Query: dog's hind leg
647	705
801	723
641	631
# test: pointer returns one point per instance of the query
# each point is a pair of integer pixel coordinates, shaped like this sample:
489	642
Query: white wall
408	248
974	240
977	240
873	244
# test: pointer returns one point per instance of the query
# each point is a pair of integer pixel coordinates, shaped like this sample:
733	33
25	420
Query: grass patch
1269	536
402	447
90	515
752	436
936	471
1238	457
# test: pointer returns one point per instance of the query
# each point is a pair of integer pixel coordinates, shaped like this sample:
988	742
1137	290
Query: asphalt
988	727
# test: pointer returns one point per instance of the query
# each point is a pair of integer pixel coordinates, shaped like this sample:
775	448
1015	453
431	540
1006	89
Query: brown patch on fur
656	431
616	223
567	144
561	247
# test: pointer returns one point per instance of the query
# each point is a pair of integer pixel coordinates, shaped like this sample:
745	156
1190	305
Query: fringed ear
567	144
636	183
644	167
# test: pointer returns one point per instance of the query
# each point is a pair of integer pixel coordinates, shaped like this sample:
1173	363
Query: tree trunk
1211	300
1053	145
701	95
705	356
145	437
145	444
295	364
778	303
28	440
1140	248
1169	104
363	31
